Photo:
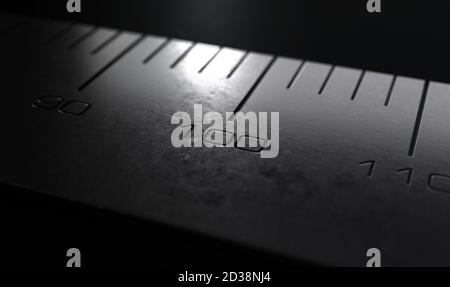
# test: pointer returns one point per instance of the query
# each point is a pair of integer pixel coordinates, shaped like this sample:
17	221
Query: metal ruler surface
364	157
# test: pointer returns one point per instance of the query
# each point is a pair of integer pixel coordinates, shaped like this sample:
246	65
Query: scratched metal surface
364	156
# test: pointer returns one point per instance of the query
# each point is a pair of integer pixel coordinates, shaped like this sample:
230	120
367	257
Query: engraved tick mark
391	88
112	62
358	84
296	75
78	41
415	134
326	80
255	85
210	61
238	64
155	52
106	42
182	56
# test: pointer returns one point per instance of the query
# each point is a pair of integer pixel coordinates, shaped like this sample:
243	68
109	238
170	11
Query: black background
408	38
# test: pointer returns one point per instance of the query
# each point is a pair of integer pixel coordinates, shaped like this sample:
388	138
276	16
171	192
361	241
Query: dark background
408	38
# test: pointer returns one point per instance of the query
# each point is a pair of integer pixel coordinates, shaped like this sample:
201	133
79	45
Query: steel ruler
364	156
